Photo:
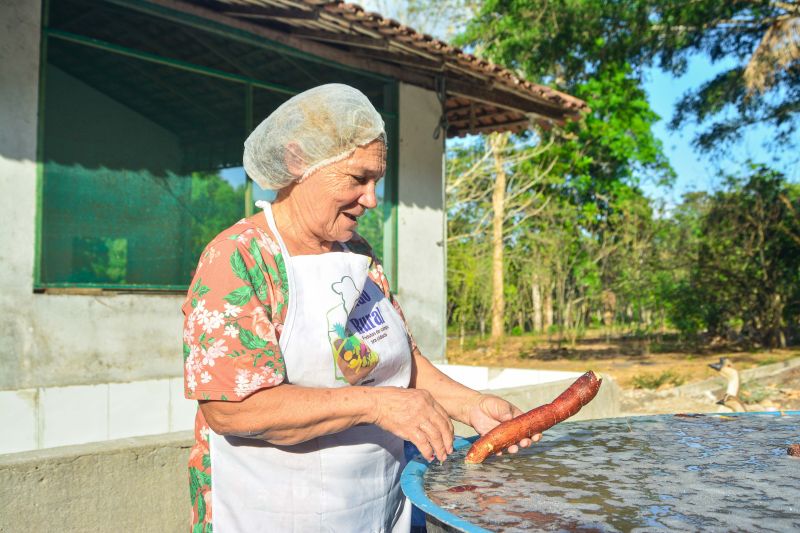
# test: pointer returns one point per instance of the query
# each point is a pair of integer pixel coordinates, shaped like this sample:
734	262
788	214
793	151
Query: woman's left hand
488	411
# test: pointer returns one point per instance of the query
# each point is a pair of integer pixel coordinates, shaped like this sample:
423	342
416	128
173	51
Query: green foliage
569	42
215	205
743	280
103	259
591	247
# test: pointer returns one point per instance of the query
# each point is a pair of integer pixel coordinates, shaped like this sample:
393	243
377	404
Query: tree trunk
548	309
498	144
566	323
536	297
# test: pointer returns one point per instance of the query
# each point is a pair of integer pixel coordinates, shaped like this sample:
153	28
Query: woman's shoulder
232	232
241	262
245	237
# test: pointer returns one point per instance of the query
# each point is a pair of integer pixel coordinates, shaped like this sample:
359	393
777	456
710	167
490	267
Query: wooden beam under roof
503	126
503	99
499	97
471	121
360	41
417	63
270	12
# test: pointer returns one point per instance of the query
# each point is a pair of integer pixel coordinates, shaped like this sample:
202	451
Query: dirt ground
642	368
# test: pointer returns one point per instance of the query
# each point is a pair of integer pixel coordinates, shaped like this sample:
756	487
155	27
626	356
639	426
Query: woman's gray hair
312	129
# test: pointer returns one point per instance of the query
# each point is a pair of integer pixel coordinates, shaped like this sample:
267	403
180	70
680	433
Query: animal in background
731	397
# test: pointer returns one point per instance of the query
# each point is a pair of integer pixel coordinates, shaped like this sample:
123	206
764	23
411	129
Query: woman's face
335	196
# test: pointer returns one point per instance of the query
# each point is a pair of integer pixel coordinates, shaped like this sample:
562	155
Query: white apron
340	330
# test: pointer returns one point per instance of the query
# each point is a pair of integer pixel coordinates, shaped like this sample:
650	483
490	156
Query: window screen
142	143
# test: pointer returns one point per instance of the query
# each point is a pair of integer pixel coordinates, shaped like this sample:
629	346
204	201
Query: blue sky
698	171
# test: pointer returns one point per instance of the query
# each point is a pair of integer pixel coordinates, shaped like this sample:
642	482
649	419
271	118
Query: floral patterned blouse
233	317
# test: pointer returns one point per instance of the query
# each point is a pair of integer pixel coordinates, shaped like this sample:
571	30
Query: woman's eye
360	179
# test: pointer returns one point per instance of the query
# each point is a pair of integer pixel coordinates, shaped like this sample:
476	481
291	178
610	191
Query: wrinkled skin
323	209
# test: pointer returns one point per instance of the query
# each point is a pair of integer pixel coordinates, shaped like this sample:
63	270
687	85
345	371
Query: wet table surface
670	472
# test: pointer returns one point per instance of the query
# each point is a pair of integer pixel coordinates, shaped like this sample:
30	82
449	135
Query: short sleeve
230	337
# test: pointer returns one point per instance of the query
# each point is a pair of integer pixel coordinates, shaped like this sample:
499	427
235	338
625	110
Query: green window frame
54	36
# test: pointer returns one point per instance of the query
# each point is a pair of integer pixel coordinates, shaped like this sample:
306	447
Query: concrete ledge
135	484
140	483
605	405
48	417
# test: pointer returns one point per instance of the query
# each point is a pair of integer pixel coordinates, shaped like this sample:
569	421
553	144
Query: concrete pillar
19	87
421	231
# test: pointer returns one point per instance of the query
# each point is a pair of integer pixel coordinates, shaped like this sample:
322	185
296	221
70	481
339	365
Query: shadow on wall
421	165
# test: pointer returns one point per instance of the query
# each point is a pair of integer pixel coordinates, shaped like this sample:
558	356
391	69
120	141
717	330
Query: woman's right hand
413	415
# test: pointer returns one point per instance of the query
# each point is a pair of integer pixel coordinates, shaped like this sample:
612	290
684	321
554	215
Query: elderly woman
307	377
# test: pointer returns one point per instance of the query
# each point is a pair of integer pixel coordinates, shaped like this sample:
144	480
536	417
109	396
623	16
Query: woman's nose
368	199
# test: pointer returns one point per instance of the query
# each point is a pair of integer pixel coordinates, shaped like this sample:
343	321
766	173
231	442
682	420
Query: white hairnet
316	127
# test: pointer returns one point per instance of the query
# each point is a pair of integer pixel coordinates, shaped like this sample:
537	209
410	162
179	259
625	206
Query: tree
761	38
493	188
567	42
442	18
563	43
599	159
746	268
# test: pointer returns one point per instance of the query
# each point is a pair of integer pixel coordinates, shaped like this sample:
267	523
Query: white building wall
19	78
421	231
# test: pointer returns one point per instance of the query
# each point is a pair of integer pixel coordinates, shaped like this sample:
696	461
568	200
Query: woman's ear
295	159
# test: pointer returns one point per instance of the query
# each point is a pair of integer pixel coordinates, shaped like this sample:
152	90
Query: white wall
46	417
19	78
421	221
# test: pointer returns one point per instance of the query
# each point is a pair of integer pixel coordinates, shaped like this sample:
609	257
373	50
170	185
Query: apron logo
365	324
353	357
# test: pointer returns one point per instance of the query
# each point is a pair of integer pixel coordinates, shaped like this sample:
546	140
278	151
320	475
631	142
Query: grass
753	392
654	381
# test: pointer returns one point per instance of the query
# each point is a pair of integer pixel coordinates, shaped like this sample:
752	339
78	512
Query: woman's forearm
457	399
289	414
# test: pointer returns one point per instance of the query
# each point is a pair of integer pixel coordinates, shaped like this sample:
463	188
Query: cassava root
568	403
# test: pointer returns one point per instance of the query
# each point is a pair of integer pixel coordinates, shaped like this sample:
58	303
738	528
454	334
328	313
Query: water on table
683	473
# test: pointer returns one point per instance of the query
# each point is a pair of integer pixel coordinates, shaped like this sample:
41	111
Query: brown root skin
568	403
